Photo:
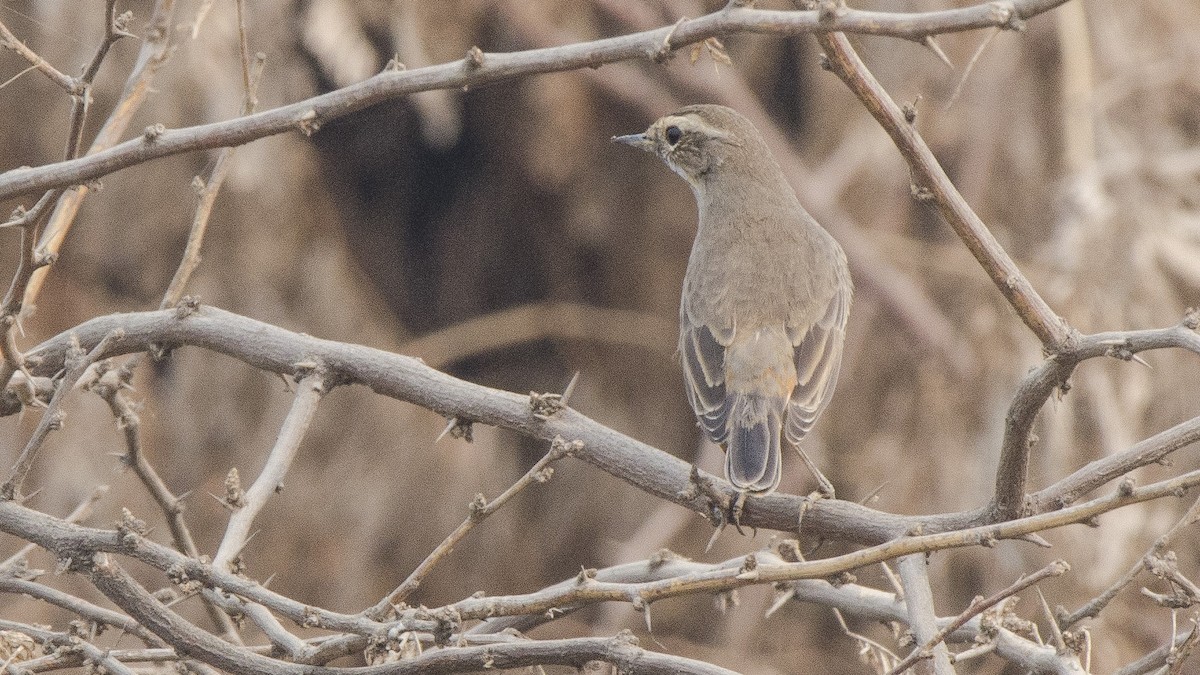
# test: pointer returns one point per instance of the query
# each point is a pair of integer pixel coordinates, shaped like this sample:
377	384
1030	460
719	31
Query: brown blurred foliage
1075	140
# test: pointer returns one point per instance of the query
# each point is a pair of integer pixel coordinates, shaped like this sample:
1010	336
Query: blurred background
499	235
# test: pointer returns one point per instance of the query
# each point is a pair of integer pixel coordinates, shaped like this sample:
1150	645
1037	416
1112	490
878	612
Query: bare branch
933	183
114	29
479	509
1054	569
309	392
934	657
69	641
52	418
307	116
10	41
1051	376
80	514
156	47
1160	547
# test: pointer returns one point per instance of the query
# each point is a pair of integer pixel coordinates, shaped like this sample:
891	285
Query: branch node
477	508
308	122
187	306
545	406
1191	318
910	109
828	10
665	49
1126	486
394	65
474	58
235	496
561	447
154	132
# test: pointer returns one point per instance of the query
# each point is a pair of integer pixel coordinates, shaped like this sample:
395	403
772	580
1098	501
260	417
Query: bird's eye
674	133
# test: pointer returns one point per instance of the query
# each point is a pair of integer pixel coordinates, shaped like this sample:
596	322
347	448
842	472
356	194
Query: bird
765	299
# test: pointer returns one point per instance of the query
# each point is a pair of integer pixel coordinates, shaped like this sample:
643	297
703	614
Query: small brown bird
765	298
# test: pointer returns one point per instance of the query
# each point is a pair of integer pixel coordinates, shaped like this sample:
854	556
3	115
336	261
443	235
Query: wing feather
703	358
818	360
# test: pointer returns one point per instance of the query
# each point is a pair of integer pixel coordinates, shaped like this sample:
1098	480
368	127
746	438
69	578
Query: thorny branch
481	68
321	364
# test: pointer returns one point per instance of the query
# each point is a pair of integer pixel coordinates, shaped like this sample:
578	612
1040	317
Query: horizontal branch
477	68
654	471
658	473
189	640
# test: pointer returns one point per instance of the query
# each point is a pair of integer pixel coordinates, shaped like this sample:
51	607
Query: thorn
222	502
933	47
1036	540
1139	359
715	535
566	395
781	599
1054	629
453	423
874	493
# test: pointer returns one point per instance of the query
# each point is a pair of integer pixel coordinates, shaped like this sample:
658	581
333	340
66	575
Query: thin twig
52	418
111	386
1160	546
978	606
156	48
206	197
309	392
962	80
10	309
249	84
81	97
10	41
479	509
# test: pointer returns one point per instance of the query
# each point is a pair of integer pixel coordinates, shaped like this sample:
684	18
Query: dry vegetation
493	231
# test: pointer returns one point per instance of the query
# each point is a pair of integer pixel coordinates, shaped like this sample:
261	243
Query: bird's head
698	140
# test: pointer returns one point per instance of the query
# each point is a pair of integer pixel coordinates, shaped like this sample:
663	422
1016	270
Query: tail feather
752	458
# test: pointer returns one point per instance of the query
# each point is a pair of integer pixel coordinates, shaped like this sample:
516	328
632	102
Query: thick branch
277	350
280	351
1050	376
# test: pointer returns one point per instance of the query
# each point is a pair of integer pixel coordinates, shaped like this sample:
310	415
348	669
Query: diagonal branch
933	184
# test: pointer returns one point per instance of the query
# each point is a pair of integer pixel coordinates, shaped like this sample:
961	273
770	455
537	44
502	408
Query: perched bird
765	299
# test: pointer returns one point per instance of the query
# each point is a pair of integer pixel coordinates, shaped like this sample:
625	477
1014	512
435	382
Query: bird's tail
752	458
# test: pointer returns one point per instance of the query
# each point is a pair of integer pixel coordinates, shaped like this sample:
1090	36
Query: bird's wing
702	352
818	359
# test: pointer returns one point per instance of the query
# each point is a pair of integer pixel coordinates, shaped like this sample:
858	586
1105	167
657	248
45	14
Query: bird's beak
639	141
